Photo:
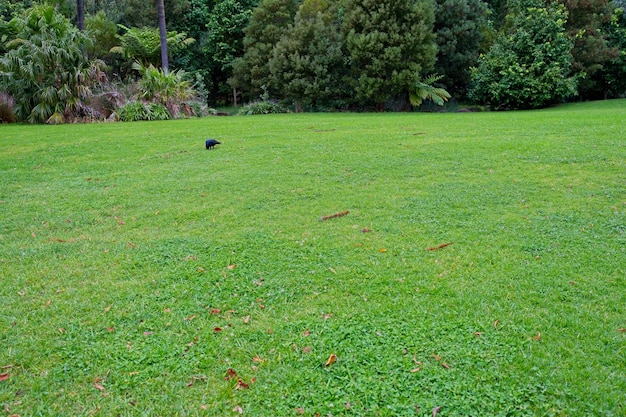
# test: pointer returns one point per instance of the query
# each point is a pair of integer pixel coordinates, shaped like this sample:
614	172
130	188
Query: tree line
312	54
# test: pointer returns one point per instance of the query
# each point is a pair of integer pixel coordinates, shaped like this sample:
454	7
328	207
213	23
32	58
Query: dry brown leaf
437	357
232	266
193	316
332	270
110	329
306	349
537	336
478	334
366	230
335	215
230	374
246	319
445	365
436	410
148	333
331	359
238	410
414	370
215	311
98	386
622	330
300	410
241	384
306	333
383	250
443	245
495	324
257	359
217	329
4	377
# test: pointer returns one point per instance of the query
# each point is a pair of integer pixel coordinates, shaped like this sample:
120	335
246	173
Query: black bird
210	143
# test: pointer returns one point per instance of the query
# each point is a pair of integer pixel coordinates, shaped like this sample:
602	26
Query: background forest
312	55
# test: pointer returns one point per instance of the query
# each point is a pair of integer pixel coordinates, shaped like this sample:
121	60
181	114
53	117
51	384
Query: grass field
141	274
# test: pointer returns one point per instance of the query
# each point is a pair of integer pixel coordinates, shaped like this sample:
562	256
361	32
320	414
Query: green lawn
141	274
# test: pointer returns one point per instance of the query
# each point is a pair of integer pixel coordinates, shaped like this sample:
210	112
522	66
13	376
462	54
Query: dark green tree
591	50
529	64
459	26
389	43
269	21
613	74
308	65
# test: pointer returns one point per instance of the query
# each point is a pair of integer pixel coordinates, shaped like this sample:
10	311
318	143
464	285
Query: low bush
7	112
134	111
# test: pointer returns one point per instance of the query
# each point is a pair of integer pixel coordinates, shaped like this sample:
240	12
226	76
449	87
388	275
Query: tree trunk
80	6
163	33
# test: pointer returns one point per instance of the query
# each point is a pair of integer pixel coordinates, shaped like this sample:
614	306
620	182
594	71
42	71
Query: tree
613	74
267	25
163	35
388	44
80	12
585	26
307	64
529	65
45	68
459	26
144	44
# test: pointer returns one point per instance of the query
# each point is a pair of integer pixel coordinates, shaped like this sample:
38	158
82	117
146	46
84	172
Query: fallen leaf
241	384
331	359
148	333
201	269
215	311
443	245
437	357
61	330
4	377
238	410
445	365
306	349
414	370
110	329
478	334
383	250
300	410
327	316
246	320
257	359
436	410
348	405
622	330
332	270
335	215
231	267
108	308
168	310
9	366
47	303
366	230
217	329
230	374
306	333
495	324
537	336
193	316
98	386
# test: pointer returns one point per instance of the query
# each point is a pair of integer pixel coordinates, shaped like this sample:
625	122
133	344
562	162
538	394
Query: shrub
7	113
134	111
263	107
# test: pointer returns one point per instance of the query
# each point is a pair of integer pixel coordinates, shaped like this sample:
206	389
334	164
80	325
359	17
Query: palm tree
163	33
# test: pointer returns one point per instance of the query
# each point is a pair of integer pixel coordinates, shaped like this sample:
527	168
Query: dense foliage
45	69
327	54
528	66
